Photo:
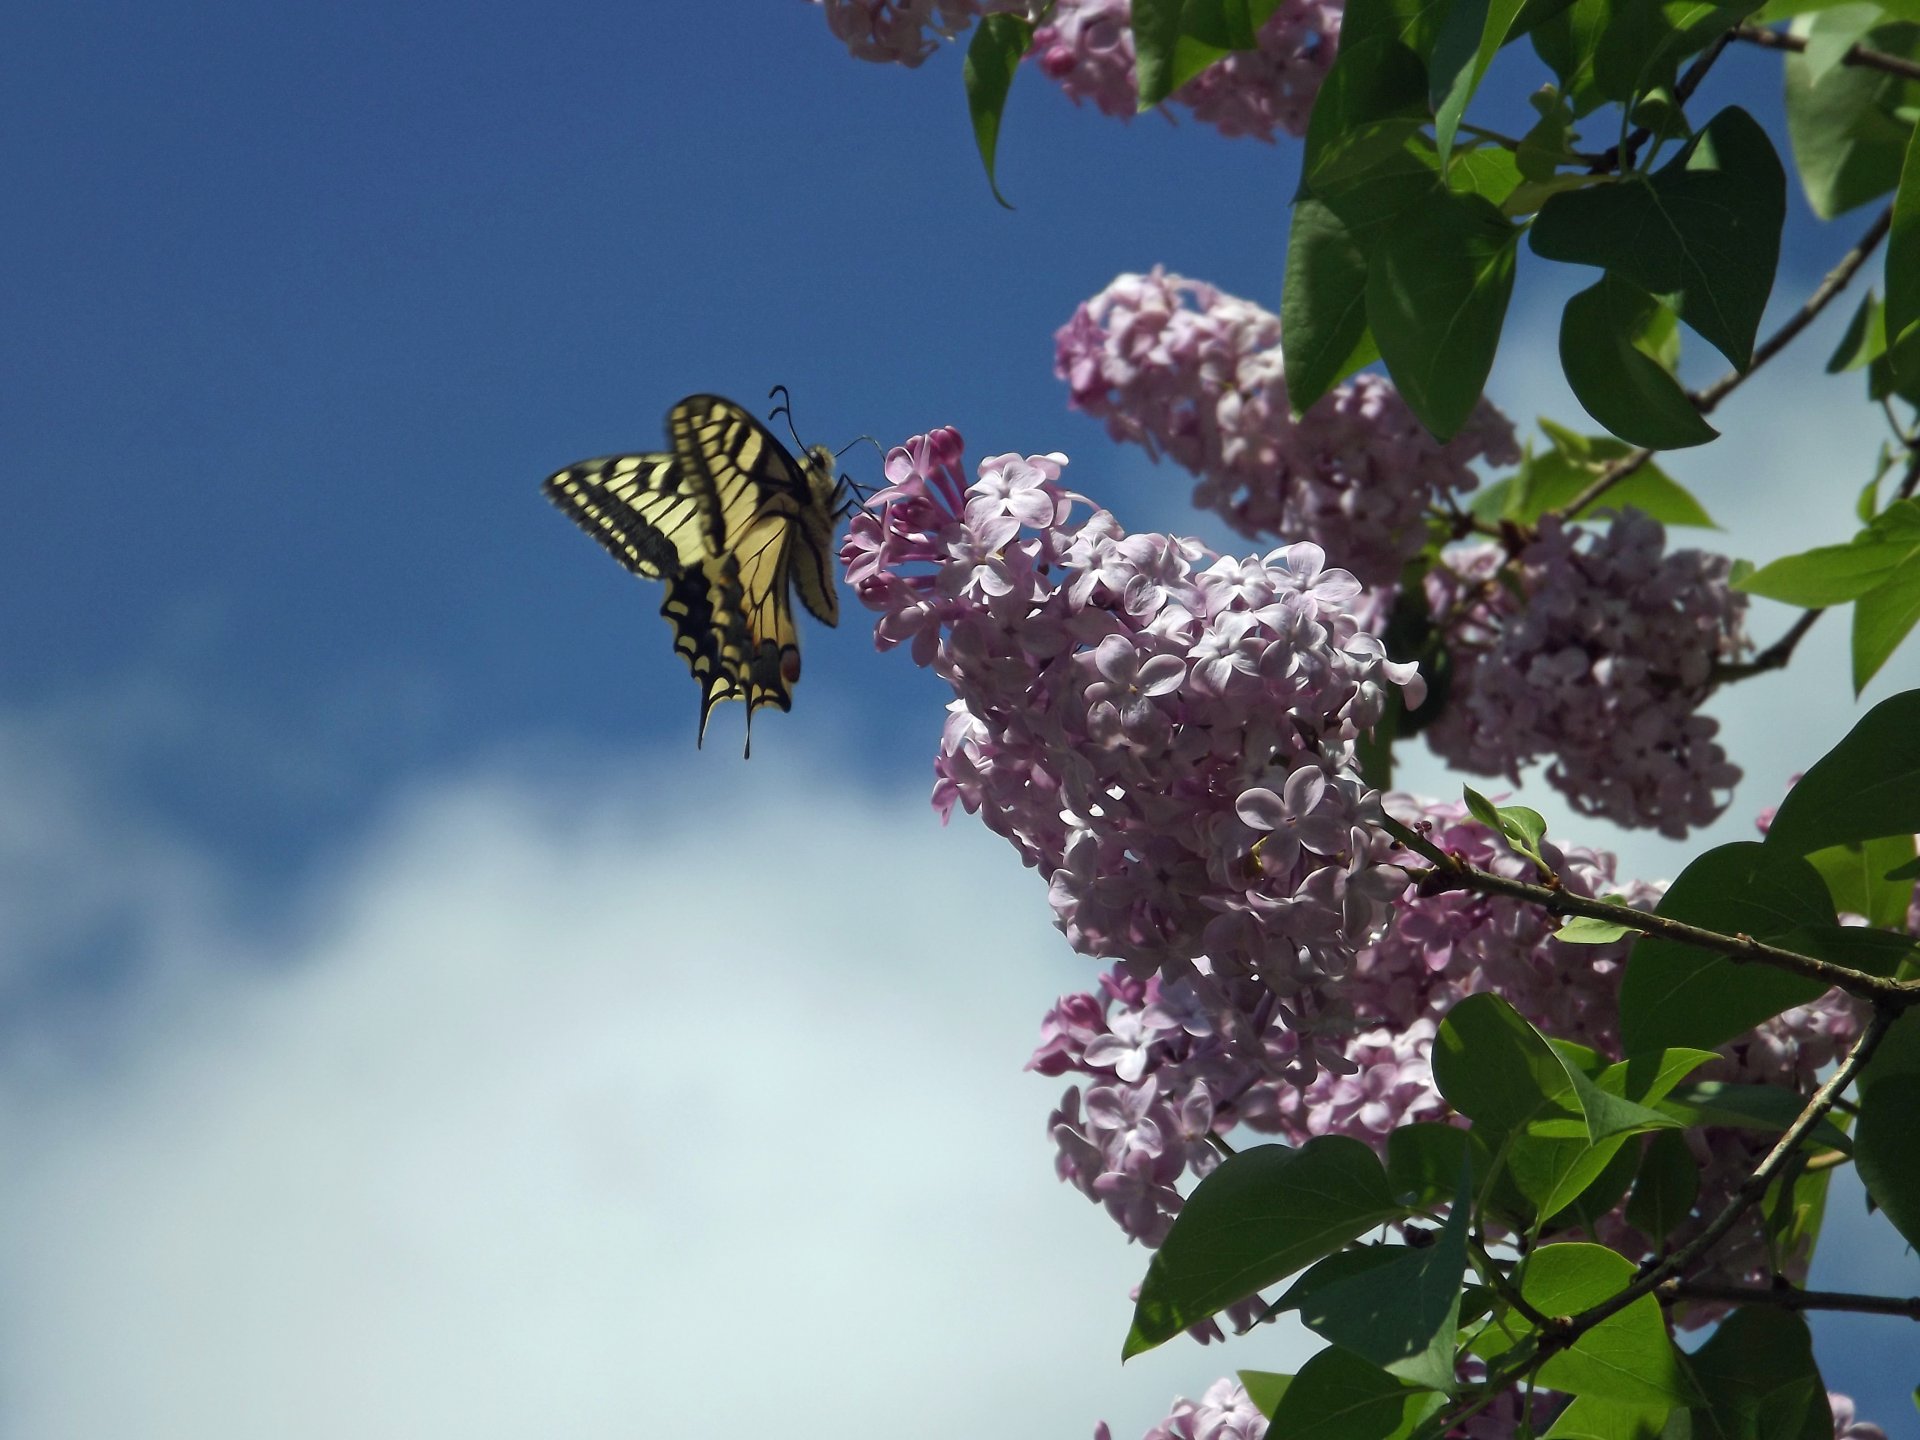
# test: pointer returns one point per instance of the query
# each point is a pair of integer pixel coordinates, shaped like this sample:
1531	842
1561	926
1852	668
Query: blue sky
365	896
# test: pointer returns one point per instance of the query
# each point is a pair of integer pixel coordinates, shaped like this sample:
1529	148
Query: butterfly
735	526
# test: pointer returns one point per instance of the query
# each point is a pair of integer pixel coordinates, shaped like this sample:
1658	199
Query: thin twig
1755	1185
1450	872
1787	1297
1706	399
1625	156
1856	55
1562	1333
1774	657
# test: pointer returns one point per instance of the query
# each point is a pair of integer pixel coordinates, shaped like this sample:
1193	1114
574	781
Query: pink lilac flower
1086	47
1168	737
906	32
1593	651
1224	1413
1208	1059
1845	1427
1187	371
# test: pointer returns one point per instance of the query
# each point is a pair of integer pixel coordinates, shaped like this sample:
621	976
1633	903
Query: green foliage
1627	1358
1523	829
1878	570
1261	1216
1437	290
1615	378
1758	1381
1395	1306
1865	787
1845	122
1550	480
1677	994
1339	1396
1174	40
1664	1189
992	56
1702	233
1884	1148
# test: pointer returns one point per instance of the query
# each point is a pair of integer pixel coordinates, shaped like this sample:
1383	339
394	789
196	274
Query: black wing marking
637	507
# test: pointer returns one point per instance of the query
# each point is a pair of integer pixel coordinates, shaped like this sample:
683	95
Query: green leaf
1626	1358
1835	574
1903	257
1858	878
1591	1418
1865	339
1437	290
992	57
1665	1188
1551	480
1888	1160
1264	1389
1156	41
1259	1217
1569	41
1369	106
1759	1381
1847	133
1174	40
1496	1069
1486	170
1522	828
1323	307
1619	384
1339	1396
1396	1306
1865	787
1883	617
1423	1162
1675	994
1643	42
1702	234
1412	23
1766	1108
1585	930
1470	36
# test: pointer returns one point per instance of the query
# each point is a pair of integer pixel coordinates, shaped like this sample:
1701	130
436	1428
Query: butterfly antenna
785	407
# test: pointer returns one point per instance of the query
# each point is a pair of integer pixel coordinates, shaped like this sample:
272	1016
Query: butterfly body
736	526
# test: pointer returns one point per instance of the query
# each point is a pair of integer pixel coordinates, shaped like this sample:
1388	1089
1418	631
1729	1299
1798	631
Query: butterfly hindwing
735	526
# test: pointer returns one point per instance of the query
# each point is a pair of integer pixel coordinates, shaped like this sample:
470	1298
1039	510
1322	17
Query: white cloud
571	1110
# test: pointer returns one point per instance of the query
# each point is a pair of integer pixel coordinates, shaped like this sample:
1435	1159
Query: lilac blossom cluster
1166	735
906	32
1195	374
1592	648
1226	1412
1169	1065
1086	46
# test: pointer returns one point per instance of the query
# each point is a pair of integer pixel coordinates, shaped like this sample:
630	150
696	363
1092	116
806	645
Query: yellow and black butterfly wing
640	509
735	526
733	466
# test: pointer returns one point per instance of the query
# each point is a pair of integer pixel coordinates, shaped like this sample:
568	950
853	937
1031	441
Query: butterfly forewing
732	459
637	508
